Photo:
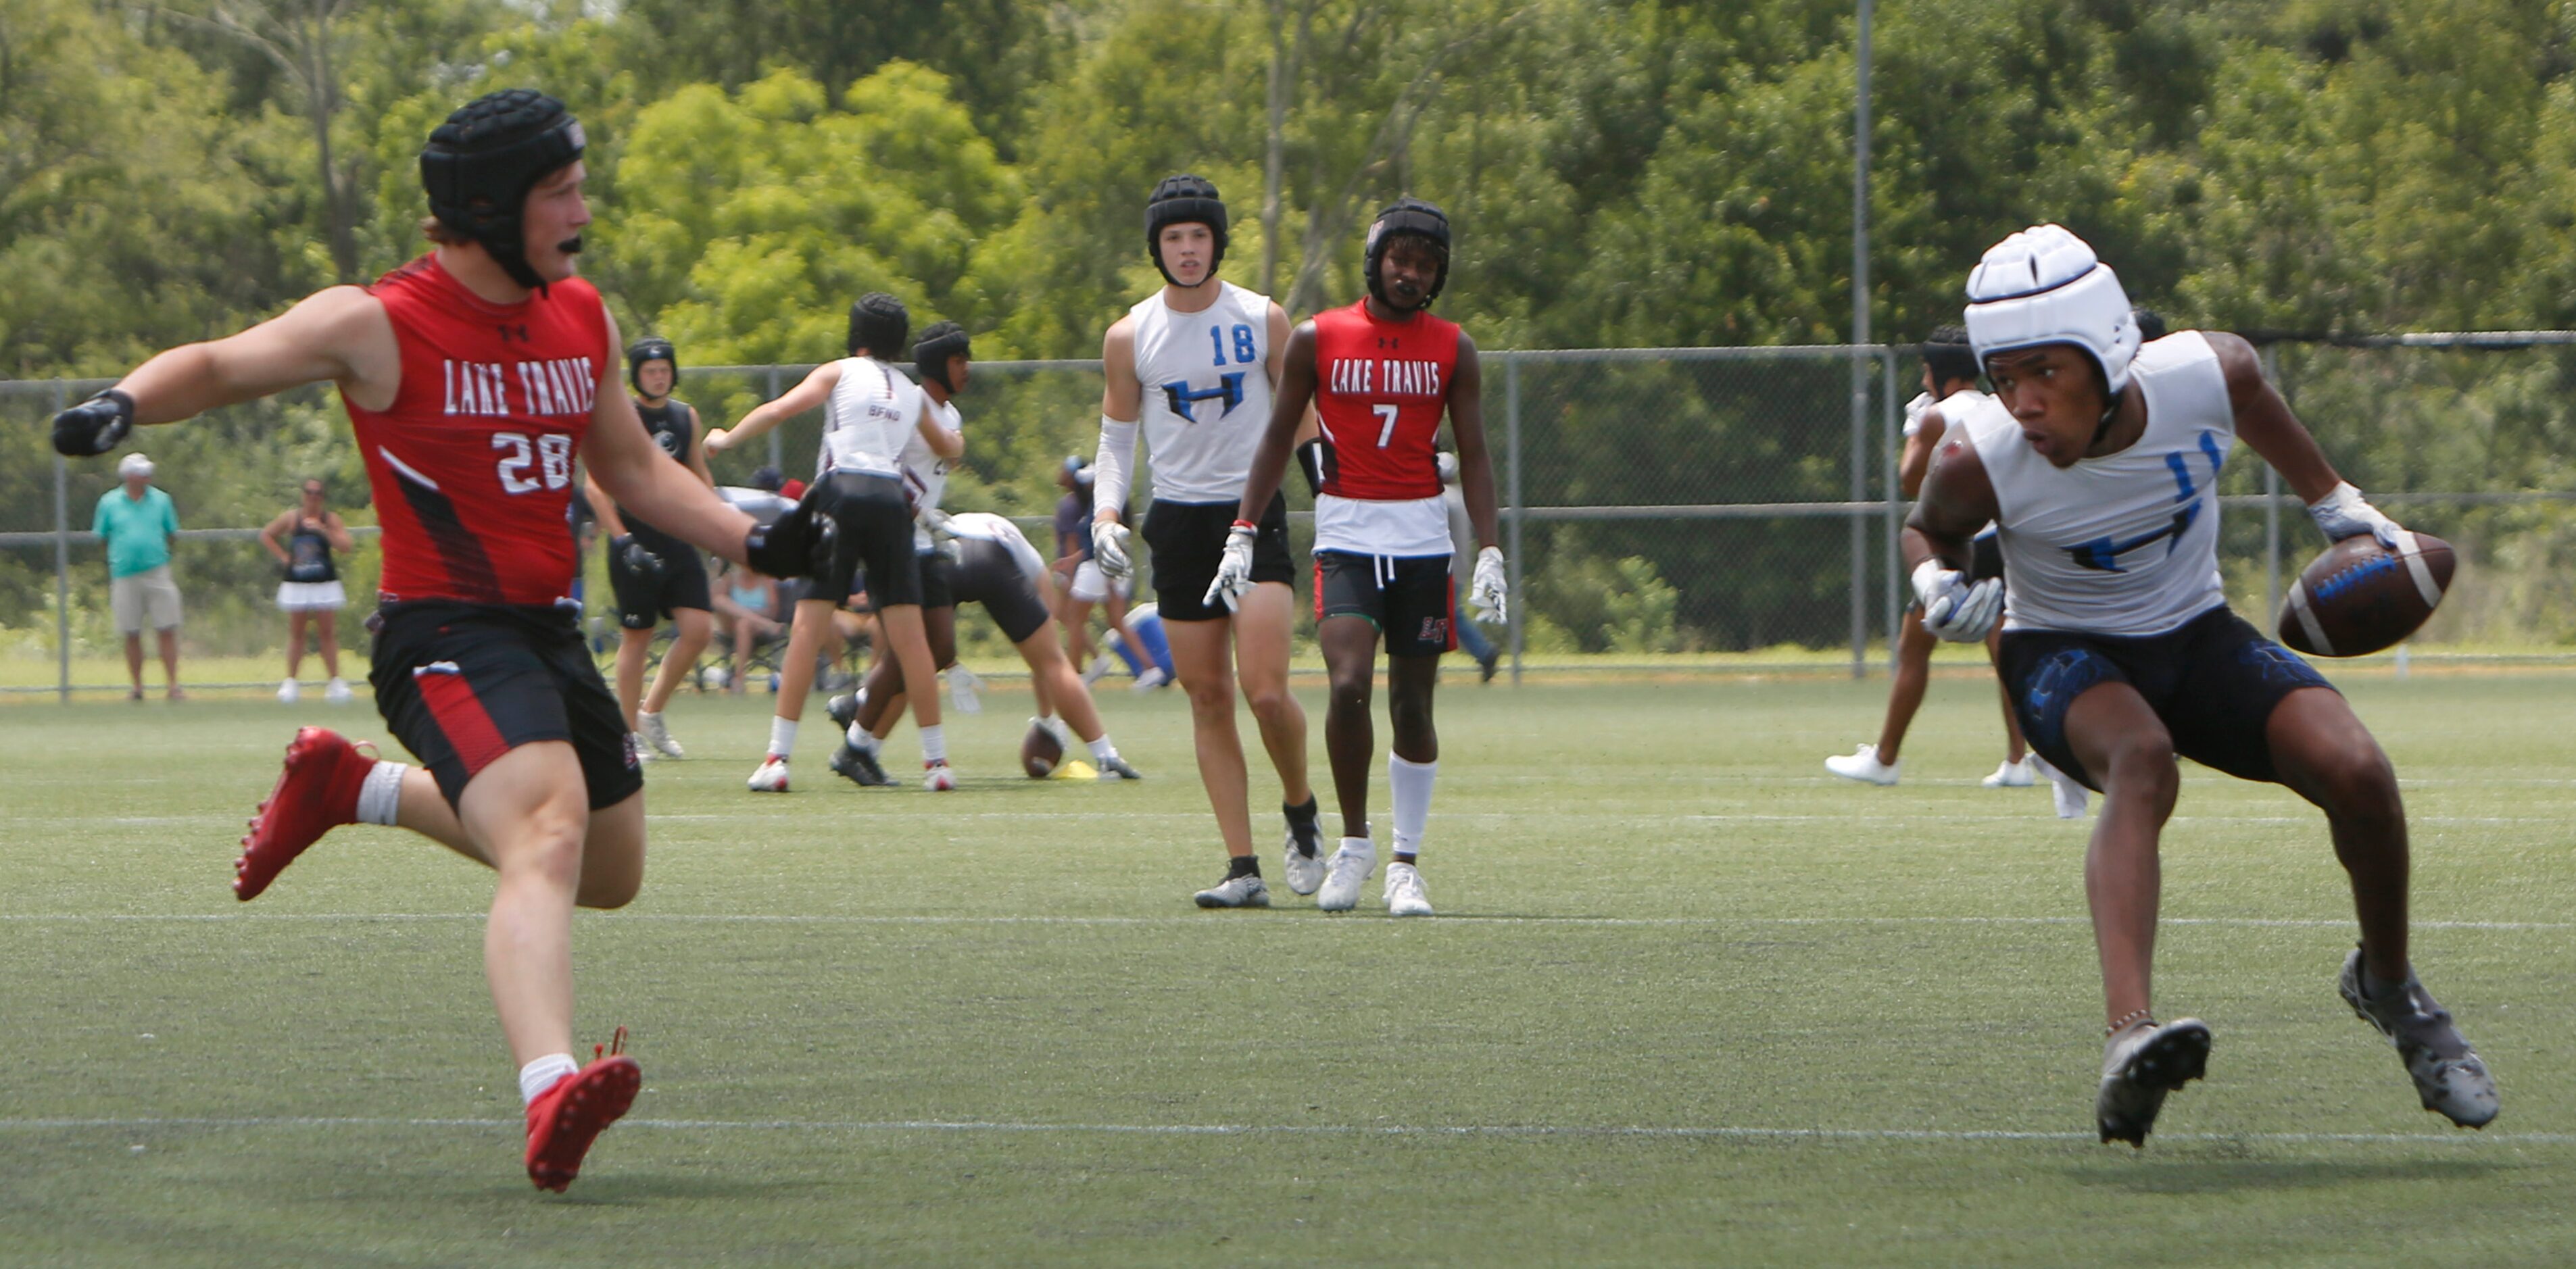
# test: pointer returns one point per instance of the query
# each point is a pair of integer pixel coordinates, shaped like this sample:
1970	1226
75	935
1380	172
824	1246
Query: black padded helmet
649	348
1179	200
879	323
481	163
1407	216
938	343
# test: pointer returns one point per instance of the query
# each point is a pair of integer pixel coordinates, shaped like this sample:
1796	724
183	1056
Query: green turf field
1689	1001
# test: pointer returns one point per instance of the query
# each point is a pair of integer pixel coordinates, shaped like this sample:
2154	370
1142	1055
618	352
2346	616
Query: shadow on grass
2204	1174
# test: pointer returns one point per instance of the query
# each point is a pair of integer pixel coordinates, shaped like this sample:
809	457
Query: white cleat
636	746
1404	896
658	734
2450	1078
337	692
288	692
1862	764
1099	668
1246	891
2012	775
1152	678
1303	872
938	777
2070	798
772	776
1352	864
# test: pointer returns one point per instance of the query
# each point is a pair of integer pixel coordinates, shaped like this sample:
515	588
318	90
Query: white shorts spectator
311	596
145	598
1090	587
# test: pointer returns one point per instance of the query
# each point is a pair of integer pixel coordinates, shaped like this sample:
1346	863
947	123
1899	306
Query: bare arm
603	508
1279	438
268	536
697	449
1958	500
2265	424
1467	424
337	335
338	531
947	444
809	394
625	464
1917	458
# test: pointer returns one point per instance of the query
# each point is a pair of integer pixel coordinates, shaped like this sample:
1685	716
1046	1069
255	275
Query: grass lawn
1689	1000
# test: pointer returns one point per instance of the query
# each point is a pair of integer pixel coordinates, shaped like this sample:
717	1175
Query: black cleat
859	766
2140	1066
844	709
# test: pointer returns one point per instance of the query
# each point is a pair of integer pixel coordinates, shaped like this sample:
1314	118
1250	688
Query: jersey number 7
1385	434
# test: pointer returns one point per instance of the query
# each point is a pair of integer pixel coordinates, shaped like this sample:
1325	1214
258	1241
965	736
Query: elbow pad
1315	459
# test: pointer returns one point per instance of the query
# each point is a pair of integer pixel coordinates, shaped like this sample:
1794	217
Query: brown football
2358	597
1040	751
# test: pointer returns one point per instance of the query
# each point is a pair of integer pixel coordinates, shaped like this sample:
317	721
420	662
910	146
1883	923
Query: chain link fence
1733	508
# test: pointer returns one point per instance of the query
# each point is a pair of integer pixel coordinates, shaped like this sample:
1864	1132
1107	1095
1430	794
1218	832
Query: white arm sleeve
1111	468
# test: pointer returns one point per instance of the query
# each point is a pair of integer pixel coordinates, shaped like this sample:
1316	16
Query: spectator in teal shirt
136	521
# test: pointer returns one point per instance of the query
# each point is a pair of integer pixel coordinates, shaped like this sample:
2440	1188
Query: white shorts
148	597
311	596
1090	586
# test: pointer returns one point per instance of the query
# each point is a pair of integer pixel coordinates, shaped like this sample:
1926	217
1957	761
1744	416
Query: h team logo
1183	399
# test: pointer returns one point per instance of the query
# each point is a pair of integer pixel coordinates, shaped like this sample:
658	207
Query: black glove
94	426
797	544
639	561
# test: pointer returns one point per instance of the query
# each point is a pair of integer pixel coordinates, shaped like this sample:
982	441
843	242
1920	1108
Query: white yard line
1238	926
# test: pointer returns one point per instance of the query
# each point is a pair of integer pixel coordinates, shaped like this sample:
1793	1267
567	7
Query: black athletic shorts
938	580
462	684
1188	539
644	599
875	523
985	573
1409	599
1985	560
2213	682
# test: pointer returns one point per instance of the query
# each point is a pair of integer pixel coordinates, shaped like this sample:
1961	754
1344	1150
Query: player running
653	573
2119	649
871	415
473	377
1950	397
1194	366
995	566
1380	373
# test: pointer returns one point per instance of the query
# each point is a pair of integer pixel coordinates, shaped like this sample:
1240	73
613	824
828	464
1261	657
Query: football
2358	597
1040	751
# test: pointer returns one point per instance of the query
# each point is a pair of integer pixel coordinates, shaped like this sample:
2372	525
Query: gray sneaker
1245	891
2448	1075
1114	767
2141	1065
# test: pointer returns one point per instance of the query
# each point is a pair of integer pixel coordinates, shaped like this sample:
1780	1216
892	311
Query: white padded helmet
2044	285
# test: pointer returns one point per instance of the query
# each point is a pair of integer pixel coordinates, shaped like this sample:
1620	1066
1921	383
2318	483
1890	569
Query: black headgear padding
649	348
1180	200
481	163
2151	324
1949	356
1407	216
879	323
939	343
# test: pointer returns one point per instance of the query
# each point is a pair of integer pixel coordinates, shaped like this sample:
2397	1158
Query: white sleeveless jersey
2124	544
925	473
1960	413
1206	377
984	526
868	418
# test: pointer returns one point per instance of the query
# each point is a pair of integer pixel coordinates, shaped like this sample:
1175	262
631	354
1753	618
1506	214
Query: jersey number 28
550	455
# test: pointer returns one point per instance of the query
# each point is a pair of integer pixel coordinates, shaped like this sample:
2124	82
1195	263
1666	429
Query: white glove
1234	570
2344	513
1953	609
942	538
1488	593
1916	409
965	691
1109	550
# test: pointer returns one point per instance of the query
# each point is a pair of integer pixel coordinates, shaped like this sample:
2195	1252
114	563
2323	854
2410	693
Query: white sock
641	715
540	1075
1411	784
1102	750
934	744
861	739
782	737
380	798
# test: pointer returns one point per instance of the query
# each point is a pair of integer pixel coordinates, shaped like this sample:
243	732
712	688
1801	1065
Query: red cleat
564	1119
317	792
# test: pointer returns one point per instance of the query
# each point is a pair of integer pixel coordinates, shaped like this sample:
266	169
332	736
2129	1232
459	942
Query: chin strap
2110	415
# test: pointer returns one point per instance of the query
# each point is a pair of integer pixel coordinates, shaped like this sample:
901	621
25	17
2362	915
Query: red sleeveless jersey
1380	389
472	465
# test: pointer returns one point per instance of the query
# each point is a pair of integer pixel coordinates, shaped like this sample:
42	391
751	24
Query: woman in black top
312	536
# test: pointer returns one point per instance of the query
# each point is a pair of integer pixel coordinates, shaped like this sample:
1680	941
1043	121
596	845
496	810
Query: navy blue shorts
2213	683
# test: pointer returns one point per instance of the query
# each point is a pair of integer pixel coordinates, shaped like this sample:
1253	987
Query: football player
2121	654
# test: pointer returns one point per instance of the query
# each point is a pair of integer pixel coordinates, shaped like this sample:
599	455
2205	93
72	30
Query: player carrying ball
473	377
2119	650
1380	374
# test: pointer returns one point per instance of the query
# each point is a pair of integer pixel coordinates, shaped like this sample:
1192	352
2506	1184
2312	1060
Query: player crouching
473	377
2121	654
